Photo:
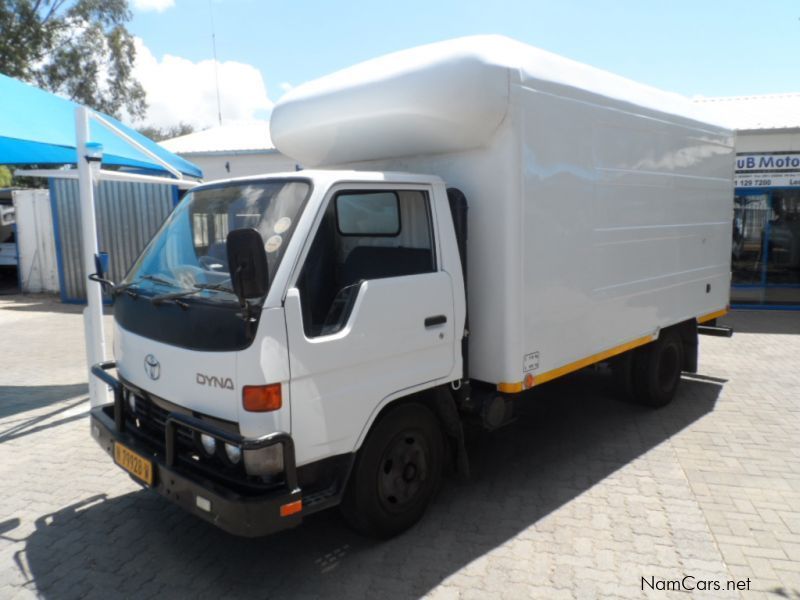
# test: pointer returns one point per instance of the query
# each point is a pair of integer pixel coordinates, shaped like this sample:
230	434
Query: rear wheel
397	472
622	374
656	370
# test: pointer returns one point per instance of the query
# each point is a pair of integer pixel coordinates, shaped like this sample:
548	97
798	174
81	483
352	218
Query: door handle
437	320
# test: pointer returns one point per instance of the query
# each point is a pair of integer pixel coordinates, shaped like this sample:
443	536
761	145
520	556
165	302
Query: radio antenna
216	67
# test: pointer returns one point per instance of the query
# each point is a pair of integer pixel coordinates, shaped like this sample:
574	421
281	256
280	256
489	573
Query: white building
766	223
231	151
36	243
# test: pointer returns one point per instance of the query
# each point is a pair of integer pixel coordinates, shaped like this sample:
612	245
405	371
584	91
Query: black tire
656	370
622	375
397	472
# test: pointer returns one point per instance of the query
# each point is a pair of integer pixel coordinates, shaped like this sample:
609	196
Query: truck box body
599	209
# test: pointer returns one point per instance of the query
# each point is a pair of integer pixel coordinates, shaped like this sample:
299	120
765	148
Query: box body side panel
627	224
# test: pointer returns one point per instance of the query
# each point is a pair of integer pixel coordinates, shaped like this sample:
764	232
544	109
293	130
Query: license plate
133	463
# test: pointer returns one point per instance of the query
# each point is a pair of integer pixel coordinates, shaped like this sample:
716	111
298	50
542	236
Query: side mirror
247	261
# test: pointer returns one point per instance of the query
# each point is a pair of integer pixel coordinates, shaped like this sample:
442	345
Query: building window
766	247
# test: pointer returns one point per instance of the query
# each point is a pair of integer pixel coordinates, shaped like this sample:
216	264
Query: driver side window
364	235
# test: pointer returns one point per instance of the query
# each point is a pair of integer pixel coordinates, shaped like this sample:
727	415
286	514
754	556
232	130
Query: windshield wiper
216	287
198	287
174	297
115	290
124	287
156	279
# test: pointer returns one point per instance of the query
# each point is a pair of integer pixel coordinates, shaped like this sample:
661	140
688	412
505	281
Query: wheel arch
440	401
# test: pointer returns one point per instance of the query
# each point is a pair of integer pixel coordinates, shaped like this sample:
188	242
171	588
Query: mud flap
445	407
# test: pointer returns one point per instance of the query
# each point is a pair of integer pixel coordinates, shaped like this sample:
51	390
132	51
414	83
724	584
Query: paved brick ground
581	498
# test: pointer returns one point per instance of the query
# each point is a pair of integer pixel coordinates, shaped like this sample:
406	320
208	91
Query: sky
264	47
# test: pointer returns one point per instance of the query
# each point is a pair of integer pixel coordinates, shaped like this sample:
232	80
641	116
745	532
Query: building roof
249	136
771	111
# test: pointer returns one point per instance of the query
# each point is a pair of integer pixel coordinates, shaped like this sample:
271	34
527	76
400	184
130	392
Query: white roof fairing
443	97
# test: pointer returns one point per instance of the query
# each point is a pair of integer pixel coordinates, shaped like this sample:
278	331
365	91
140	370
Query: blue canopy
38	128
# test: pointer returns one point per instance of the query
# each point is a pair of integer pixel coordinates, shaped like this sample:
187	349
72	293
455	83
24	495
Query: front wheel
397	472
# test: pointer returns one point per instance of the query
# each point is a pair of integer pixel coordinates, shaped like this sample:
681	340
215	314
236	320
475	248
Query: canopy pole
93	313
149	153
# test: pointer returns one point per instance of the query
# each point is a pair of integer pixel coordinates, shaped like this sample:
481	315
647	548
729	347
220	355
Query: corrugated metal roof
250	136
771	111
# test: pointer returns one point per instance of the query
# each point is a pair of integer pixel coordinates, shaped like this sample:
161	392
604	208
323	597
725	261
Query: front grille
150	419
148	423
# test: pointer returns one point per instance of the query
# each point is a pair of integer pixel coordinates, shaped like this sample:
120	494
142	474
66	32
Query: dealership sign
781	169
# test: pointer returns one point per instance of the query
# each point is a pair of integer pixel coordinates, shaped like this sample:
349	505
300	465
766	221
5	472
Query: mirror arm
106	284
244	303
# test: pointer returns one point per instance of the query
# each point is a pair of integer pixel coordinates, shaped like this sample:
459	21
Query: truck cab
249	411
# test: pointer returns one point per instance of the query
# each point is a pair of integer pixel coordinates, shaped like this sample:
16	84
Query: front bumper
249	516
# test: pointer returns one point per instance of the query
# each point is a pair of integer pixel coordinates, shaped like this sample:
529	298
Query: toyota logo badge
152	367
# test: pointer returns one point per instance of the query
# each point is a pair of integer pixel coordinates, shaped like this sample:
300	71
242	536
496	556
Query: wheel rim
403	470
668	367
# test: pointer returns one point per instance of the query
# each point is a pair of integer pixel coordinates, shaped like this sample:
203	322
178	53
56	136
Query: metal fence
128	214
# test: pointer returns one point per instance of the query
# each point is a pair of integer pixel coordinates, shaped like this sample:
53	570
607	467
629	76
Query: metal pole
93	313
106	175
147	152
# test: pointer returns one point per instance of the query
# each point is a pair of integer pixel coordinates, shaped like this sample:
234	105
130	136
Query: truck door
370	313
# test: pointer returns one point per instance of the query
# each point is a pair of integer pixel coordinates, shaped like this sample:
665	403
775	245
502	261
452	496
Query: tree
159	134
77	48
5	177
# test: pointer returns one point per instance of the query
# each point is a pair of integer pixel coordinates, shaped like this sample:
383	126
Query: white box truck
478	217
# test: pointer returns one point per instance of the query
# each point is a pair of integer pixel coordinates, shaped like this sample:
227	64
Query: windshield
189	251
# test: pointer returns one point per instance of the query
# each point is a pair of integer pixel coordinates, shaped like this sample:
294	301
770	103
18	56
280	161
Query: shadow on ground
43	303
762	321
571	434
15	399
8	281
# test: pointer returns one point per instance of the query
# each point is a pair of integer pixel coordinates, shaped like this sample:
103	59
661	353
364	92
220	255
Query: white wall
256	163
766	141
38	269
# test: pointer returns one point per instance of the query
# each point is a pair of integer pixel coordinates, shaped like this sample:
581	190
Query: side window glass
364	235
368	214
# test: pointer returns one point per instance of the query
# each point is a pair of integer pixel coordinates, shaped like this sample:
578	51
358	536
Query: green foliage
77	48
159	134
5	177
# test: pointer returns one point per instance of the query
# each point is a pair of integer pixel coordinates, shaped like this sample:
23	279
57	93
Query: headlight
234	453
209	444
131	397
264	461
